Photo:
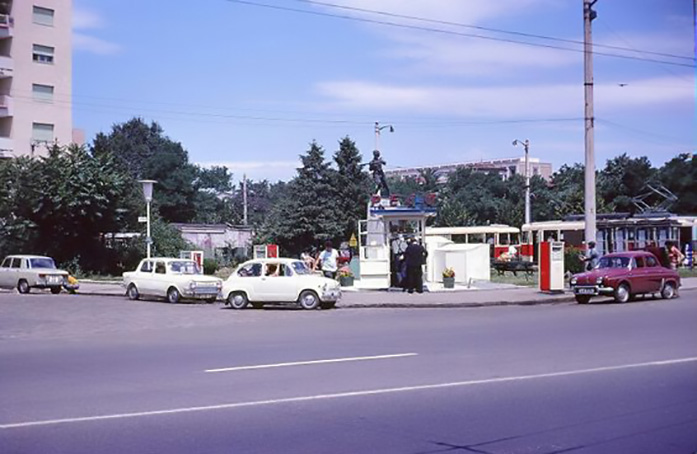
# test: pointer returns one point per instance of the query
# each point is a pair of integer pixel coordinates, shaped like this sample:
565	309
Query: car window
185	267
651	261
613	262
43	262
16	263
160	268
250	270
6	263
146	267
639	262
286	270
300	268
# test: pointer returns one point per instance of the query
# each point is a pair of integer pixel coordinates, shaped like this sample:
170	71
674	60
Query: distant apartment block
505	168
35	76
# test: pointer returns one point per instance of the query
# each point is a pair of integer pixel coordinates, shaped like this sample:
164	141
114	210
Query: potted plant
345	277
449	278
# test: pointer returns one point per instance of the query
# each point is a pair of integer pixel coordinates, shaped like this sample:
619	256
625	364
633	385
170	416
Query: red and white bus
499	236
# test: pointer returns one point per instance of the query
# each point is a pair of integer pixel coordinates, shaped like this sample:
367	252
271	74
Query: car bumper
331	295
592	290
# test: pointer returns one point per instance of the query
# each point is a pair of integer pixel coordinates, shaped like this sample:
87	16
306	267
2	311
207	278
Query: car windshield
301	268
185	267
613	262
43	262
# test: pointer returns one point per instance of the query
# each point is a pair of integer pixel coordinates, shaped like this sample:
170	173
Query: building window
43	54
42	93
42	132
43	16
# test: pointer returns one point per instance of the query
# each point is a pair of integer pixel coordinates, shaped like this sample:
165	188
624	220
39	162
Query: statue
375	167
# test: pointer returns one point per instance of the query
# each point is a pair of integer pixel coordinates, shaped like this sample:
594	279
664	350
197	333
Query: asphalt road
87	375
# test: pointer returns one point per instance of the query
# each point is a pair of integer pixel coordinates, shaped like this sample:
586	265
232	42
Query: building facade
223	242
505	167
35	76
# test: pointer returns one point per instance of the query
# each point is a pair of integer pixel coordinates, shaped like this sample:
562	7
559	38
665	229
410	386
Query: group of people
675	257
327	261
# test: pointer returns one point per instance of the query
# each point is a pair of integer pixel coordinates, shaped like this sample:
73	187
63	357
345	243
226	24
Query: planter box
449	282
346	281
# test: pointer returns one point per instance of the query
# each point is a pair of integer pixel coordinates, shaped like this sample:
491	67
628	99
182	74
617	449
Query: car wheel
55	290
132	292
237	300
583	299
23	286
622	294
328	304
173	295
668	291
257	305
309	300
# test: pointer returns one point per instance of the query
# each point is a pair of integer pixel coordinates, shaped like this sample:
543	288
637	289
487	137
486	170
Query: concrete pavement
196	378
462	297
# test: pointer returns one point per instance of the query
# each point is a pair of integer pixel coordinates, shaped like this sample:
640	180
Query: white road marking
257	403
318	361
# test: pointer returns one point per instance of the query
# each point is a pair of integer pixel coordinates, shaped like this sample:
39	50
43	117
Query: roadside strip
314	362
228	406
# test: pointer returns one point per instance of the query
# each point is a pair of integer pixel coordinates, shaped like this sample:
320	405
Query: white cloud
86	19
507	101
93	44
90	20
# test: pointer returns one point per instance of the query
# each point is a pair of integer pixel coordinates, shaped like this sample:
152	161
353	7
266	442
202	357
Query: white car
279	281
173	279
25	272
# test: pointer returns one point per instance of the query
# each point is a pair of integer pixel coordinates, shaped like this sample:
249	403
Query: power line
489	29
454	33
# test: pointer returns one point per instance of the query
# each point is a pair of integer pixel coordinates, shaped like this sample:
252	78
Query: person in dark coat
415	256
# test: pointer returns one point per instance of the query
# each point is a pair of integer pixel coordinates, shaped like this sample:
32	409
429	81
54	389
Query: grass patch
524	279
686	272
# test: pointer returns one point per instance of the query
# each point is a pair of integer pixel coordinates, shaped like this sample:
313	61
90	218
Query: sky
250	86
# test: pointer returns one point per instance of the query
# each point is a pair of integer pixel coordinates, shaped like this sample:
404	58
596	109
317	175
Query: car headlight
574	280
192	285
599	281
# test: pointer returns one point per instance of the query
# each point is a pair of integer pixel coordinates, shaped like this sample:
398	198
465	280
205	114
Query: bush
210	266
572	263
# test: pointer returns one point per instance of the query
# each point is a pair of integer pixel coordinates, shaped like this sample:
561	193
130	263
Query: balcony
6	147
6	106
7	66
7	24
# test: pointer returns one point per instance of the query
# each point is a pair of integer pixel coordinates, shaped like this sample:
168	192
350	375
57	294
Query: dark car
623	275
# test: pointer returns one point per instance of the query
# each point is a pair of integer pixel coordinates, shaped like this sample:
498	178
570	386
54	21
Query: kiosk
383	237
551	255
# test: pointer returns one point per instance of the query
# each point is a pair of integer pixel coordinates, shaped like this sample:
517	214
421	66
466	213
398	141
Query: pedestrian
591	257
675	257
415	257
327	260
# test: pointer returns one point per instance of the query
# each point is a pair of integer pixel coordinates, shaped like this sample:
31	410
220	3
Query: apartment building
505	168
35	76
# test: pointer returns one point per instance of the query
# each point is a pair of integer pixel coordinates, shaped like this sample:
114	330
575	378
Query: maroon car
623	275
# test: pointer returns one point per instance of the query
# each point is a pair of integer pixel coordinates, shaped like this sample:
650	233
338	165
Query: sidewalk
461	297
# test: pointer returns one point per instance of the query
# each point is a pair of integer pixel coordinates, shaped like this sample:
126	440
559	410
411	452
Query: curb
559	300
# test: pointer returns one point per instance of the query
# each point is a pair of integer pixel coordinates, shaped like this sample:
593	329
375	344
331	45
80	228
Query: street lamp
147	193
378	129
526	147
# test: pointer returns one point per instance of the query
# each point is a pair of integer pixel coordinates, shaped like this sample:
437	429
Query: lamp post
526	147
147	193
378	129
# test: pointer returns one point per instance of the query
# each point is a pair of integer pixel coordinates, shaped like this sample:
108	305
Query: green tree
310	213
352	184
144	152
621	179
679	175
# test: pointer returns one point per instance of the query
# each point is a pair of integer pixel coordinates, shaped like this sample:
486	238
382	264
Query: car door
637	276
6	272
143	277
249	280
160	281
282	285
16	273
653	273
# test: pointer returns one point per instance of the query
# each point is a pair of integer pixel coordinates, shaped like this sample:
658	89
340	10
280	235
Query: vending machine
551	275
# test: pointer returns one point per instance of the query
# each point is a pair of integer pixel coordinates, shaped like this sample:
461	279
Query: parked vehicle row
256	282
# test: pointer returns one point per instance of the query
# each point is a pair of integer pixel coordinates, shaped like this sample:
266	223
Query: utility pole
526	147
244	199
589	188
378	129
